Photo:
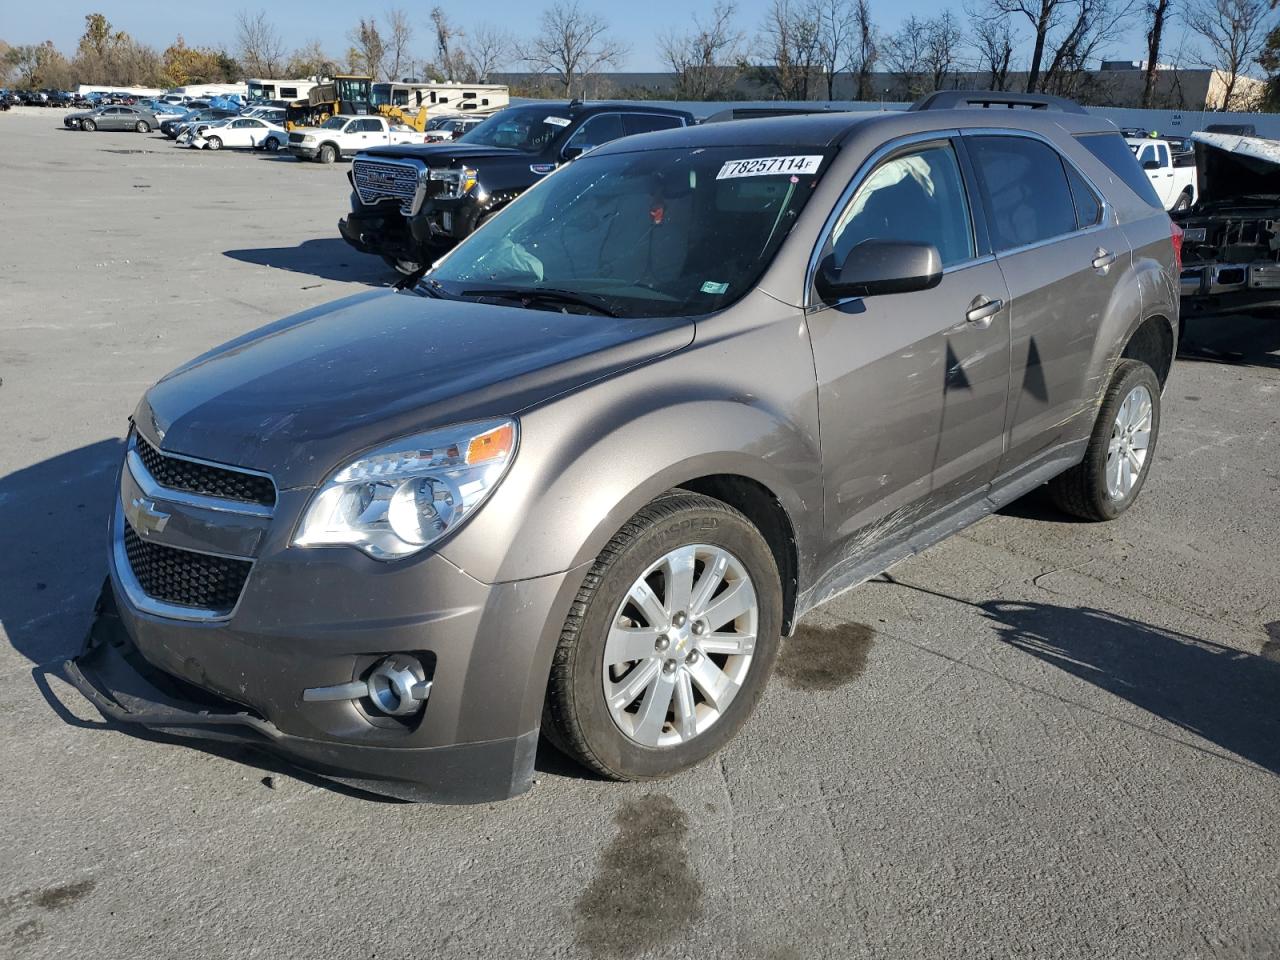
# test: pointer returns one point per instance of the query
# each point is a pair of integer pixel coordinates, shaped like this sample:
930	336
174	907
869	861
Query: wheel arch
1152	341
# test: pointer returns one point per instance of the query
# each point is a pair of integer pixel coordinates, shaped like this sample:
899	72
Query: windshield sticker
716	288
556	121
763	166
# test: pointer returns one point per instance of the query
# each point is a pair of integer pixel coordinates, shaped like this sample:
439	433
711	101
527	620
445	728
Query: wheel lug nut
679	619
693	657
699	628
669	667
663	642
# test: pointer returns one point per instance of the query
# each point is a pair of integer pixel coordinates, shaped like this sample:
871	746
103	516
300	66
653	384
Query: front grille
296	137
185	578
377	180
227	484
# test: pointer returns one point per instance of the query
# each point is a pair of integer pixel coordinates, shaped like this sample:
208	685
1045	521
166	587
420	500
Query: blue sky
329	21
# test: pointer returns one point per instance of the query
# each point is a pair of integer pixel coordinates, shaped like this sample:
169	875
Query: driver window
913	197
599	129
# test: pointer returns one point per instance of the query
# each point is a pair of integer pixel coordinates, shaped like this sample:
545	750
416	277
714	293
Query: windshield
334	123
655	233
524	128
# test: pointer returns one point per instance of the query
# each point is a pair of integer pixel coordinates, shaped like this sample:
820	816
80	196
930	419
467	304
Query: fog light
399	686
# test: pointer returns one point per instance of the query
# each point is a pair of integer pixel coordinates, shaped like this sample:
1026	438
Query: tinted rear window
1028	199
1111	149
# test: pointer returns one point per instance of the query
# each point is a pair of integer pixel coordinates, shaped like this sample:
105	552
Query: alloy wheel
680	645
1130	440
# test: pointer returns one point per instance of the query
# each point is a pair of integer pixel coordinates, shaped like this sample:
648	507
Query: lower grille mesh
185	578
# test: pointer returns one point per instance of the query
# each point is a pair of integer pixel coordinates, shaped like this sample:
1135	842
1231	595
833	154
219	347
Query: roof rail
985	99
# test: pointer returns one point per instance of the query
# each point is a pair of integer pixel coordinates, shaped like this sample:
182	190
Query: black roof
809	129
579	107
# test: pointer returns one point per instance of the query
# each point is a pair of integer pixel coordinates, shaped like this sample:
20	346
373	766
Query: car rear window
1111	149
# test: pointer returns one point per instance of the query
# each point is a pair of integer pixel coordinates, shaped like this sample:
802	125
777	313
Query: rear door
1060	249
911	391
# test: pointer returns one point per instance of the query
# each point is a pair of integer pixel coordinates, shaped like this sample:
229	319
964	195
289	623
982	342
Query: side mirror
1150	164
575	151
875	267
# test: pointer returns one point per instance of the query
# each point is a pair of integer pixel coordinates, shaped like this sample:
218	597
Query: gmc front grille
378	180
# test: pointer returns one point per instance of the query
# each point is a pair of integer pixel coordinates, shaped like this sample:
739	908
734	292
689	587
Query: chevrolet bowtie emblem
144	517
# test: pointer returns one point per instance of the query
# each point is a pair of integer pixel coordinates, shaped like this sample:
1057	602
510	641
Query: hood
1230	168
442	154
296	397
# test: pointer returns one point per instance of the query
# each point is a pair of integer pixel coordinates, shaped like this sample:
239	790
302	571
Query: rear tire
702	695
1183	202
1107	482
327	153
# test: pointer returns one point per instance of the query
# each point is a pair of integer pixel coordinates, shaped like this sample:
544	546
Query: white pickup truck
345	136
1173	175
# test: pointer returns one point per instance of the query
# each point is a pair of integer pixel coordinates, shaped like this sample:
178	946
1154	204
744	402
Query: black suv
412	203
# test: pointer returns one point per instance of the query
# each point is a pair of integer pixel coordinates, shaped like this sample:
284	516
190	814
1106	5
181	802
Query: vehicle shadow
1221	694
330	258
54	516
1238	340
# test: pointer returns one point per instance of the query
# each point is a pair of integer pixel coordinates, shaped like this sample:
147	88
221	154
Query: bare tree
259	45
1043	15
310	60
836	31
368	49
789	49
399	37
865	49
1157	11
450	62
705	60
1092	26
486	51
905	54
1233	33
943	38
992	41
571	44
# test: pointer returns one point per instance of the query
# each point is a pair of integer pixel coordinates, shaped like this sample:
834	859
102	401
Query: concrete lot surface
1038	739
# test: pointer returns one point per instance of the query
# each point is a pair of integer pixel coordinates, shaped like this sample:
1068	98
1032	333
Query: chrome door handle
1103	259
980	316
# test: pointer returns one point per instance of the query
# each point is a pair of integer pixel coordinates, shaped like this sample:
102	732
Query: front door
911	391
1060	250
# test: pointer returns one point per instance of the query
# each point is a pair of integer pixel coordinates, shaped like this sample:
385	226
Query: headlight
396	500
308	138
459	182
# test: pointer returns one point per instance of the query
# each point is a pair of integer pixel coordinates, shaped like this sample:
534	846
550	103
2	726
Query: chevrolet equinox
585	476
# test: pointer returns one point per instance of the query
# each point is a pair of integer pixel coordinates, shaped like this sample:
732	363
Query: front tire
1183	203
213	143
406	268
669	644
88	125
1120	452
271	145
142	126
327	153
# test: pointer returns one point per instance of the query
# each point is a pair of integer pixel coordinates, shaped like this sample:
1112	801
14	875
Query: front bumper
310	618
115	677
303	152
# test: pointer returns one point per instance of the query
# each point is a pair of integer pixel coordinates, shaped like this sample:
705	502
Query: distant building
1118	83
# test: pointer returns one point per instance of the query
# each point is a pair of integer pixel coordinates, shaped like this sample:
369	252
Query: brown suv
590	472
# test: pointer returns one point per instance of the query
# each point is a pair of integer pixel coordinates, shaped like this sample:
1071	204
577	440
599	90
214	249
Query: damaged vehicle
583	478
410	204
1231	237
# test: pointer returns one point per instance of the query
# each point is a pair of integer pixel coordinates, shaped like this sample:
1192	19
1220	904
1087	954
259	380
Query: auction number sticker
765	166
556	121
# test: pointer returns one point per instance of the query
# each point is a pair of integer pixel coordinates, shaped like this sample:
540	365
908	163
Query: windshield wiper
547	295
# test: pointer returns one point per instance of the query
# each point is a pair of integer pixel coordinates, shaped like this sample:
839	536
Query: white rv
260	90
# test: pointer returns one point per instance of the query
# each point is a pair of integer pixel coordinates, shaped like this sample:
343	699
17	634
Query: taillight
1175	234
